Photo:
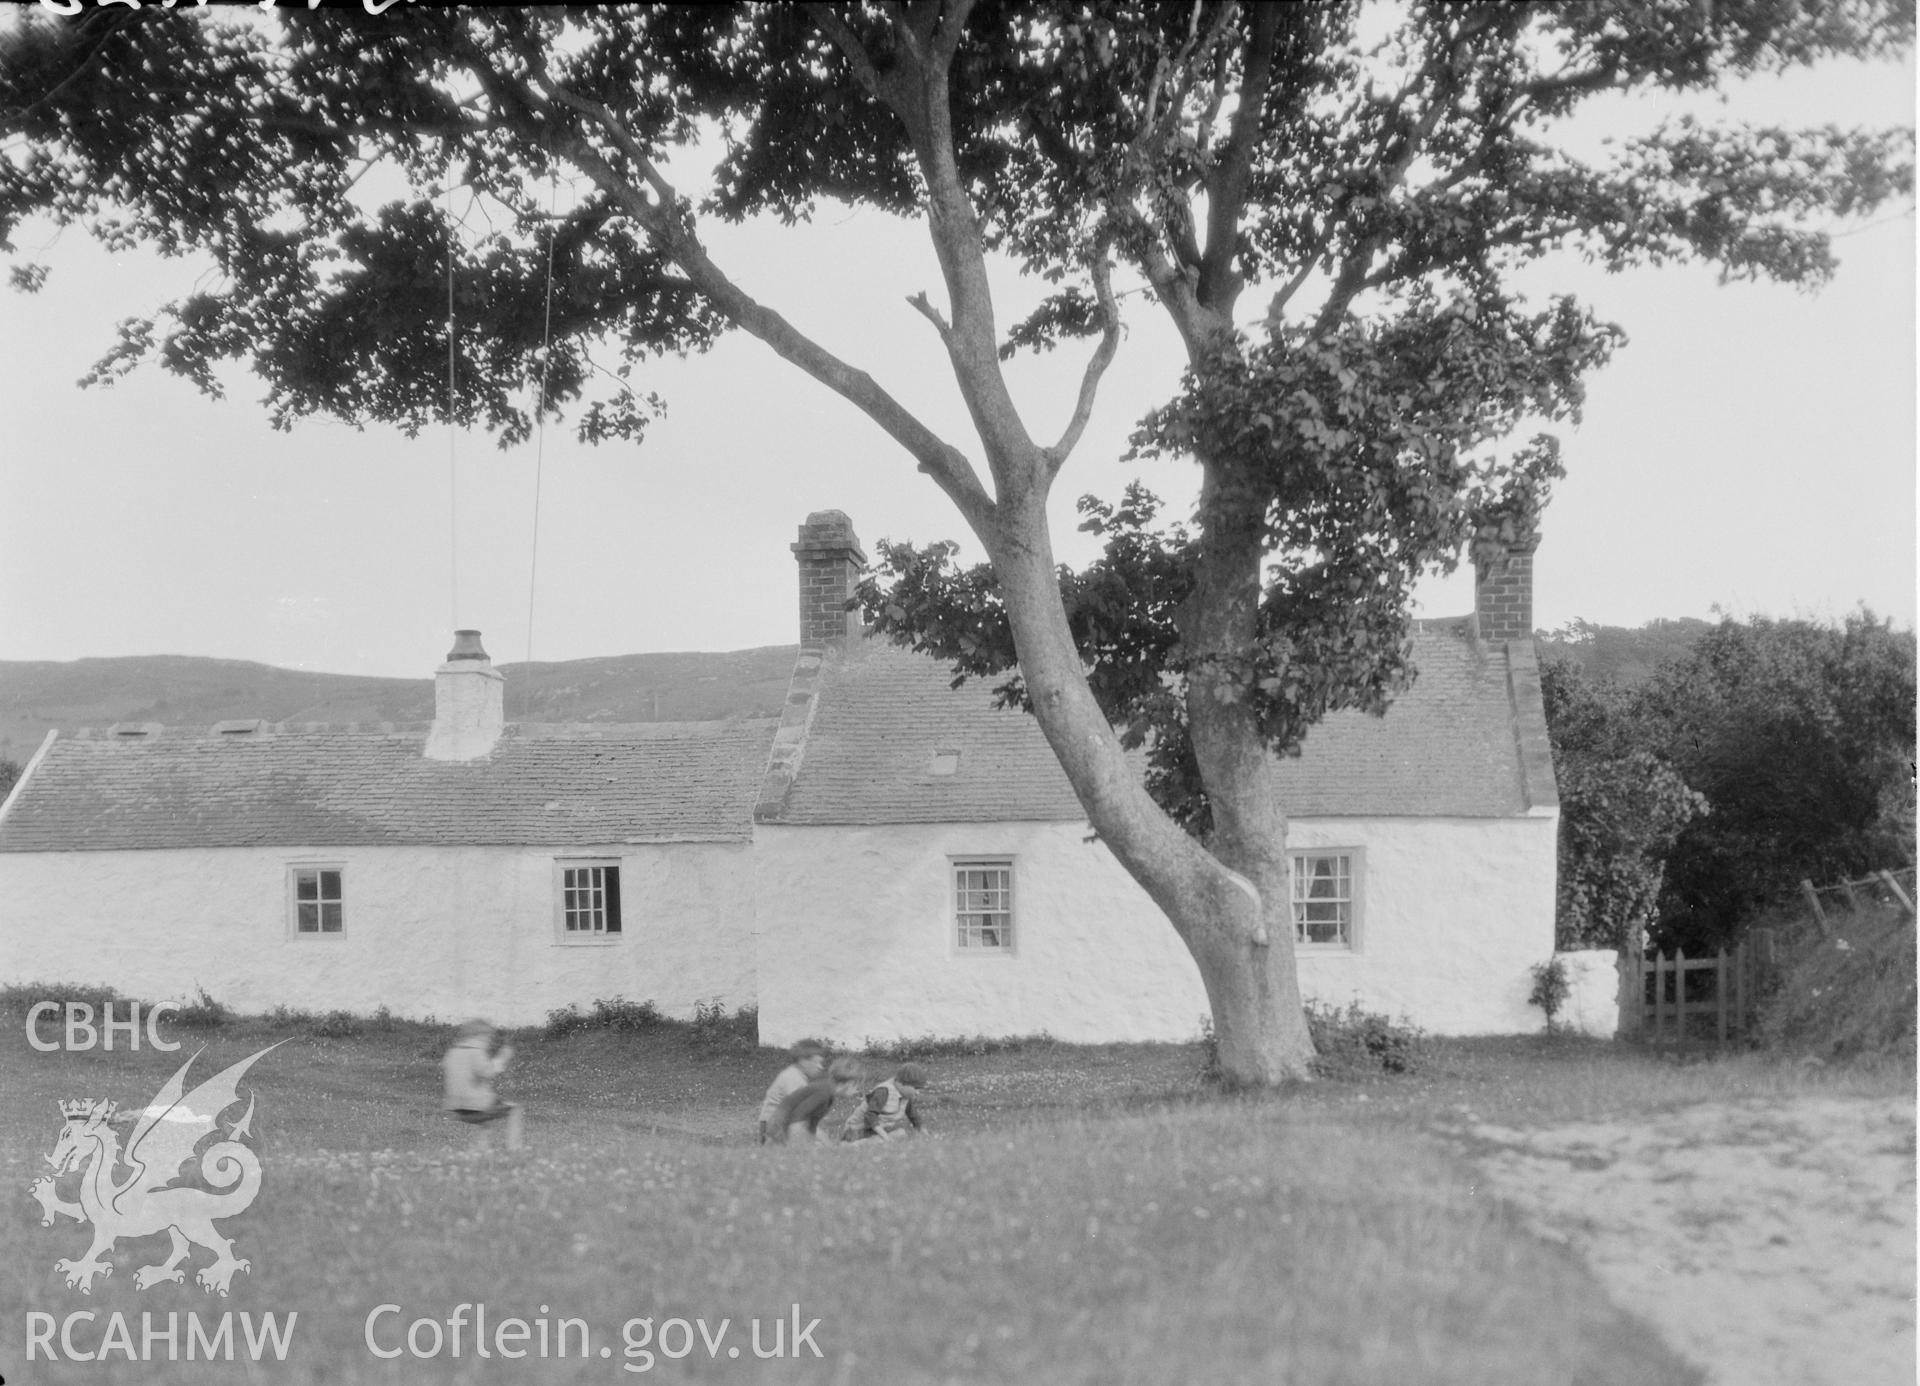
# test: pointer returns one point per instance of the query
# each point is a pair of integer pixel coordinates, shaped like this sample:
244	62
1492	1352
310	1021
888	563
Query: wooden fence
1682	1000
1710	1000
1889	887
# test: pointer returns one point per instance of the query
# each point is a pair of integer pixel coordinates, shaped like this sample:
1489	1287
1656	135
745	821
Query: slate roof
1467	740
319	786
881	714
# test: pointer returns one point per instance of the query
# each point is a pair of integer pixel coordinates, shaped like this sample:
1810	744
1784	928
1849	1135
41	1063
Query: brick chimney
469	702
1503	597
831	561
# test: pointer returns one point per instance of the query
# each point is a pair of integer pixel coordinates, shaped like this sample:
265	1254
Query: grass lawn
1081	1215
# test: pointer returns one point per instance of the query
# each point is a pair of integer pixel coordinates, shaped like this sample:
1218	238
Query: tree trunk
1257	1013
1229	904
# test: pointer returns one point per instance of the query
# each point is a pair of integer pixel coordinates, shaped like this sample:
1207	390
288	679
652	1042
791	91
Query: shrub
1550	988
1848	996
1354	1041
335	1025
18	1000
609	1013
626	1016
202	1013
712	1028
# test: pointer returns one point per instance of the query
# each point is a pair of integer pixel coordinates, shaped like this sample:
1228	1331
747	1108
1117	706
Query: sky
1751	451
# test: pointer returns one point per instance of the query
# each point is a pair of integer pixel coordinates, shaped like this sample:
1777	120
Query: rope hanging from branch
453	467
540	447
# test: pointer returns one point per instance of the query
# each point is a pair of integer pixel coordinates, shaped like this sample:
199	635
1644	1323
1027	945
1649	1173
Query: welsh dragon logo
146	1200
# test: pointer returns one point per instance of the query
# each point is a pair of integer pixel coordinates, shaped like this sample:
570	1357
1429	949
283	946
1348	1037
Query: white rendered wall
855	933
856	939
1593	992
449	931
1454	913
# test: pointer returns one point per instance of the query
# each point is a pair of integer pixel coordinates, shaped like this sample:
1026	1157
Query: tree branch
1096	366
932	315
1227	188
676	237
840	34
951	25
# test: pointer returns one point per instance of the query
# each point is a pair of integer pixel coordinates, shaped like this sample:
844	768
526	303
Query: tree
1775	750
1622	805
1801	737
1383	191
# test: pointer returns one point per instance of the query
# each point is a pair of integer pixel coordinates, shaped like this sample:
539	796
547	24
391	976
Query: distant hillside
188	691
1628	656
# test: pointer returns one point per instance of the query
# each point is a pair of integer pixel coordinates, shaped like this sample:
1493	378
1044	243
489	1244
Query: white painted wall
855	933
1454	914
446	931
855	939
1593	992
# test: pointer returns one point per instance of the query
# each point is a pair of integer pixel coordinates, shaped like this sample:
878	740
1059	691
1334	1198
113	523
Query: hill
187	690
1628	655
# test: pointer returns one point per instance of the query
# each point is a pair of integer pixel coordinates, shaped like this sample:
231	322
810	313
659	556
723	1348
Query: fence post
1680	995
1906	903
1743	982
1813	899
1853	901
1720	994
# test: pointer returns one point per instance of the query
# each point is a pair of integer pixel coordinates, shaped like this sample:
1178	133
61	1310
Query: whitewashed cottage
891	858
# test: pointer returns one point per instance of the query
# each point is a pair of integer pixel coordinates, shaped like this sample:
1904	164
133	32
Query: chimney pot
466	645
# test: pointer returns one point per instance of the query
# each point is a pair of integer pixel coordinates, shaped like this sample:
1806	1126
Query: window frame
1354	898
319	871
957	930
604	936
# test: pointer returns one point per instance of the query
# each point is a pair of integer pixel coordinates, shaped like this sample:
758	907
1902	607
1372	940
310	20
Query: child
889	1110
809	1061
802	1114
470	1067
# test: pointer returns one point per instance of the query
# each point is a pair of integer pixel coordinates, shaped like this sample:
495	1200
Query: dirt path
1772	1243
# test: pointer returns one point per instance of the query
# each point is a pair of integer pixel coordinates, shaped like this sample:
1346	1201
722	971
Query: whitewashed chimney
469	702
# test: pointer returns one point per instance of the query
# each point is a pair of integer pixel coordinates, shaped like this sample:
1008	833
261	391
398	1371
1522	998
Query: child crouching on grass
801	1115
470	1067
889	1113
809	1060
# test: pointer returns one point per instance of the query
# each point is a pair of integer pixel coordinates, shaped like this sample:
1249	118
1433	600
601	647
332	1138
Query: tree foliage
1795	738
1380	172
1622	805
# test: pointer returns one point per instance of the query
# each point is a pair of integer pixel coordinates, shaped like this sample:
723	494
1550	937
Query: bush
18	1000
609	1013
1348	1043
712	1028
335	1025
202	1013
1550	988
1848	996
1352	1042
626	1017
